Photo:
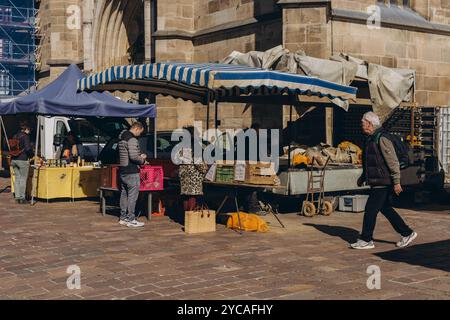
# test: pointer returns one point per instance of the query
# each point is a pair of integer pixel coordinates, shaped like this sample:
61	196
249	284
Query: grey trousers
129	193
21	169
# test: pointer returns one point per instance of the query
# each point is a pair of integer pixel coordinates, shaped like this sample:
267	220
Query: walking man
21	152
131	158
381	171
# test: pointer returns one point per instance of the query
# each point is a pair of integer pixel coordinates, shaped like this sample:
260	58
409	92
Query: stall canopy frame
206	83
216	83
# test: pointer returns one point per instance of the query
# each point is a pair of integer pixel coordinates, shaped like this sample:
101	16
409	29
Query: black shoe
23	201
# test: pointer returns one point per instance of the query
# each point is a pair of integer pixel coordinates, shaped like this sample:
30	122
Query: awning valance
213	82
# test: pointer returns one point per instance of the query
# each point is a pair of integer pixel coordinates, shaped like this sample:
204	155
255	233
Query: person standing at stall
131	158
72	148
191	173
381	171
21	152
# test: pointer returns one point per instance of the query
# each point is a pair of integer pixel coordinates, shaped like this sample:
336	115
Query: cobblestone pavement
307	260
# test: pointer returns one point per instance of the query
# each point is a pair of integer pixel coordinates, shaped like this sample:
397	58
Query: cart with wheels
315	202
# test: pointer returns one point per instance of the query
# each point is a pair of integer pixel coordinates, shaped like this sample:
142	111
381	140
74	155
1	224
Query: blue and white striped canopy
220	76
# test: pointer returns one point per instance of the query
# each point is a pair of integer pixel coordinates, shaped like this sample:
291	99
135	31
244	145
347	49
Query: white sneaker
135	224
405	241
362	245
123	222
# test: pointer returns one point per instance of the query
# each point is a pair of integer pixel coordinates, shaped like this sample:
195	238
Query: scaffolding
17	47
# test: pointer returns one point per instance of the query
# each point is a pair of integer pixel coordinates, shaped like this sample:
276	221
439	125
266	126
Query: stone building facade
412	34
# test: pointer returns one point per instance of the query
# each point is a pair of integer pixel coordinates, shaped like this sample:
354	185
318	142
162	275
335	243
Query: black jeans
380	199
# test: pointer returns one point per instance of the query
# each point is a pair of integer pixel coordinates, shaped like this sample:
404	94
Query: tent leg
290	136
3	131
216	110
36	148
207	117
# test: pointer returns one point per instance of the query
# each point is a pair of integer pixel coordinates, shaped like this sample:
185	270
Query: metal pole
290	133
3	130
98	145
37	137
155	149
207	116
216	109
35	177
2	124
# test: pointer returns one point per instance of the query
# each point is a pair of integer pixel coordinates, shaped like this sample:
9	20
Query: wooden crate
224	173
256	174
199	222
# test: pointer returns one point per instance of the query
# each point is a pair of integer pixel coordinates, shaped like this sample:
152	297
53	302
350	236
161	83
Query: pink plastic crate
152	178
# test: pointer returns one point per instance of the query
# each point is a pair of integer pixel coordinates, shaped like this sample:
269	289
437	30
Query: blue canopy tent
61	98
209	82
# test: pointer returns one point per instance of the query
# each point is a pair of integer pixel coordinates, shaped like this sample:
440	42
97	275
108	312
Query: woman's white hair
372	118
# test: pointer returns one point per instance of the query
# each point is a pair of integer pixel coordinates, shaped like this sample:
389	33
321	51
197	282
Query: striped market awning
208	82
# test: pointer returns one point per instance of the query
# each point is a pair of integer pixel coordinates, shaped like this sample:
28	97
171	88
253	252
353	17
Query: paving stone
161	262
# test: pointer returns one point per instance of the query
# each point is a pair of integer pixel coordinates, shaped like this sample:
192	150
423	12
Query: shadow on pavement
347	234
435	255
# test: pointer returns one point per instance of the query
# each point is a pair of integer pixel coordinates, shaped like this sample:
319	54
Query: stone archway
117	33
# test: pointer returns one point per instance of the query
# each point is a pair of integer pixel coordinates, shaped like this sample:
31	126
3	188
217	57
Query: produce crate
152	178
258	174
109	177
225	173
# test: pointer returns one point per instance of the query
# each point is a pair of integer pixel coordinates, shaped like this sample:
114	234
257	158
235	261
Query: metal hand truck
315	202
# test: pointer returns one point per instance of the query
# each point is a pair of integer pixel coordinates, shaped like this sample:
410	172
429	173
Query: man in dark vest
381	171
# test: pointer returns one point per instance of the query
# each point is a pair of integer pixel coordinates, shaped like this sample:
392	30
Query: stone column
148	30
87	16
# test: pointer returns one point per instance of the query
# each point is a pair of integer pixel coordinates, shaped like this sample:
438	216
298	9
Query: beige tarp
388	87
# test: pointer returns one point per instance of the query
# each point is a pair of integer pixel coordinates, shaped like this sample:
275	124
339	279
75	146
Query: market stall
55	178
213	84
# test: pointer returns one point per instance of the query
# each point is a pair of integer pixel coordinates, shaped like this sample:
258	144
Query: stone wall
58	41
307	29
436	11
176	15
428	54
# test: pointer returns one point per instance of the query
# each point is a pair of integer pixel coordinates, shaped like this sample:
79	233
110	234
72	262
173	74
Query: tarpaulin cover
61	98
388	86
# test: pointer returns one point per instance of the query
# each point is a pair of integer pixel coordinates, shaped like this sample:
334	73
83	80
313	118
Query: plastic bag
249	222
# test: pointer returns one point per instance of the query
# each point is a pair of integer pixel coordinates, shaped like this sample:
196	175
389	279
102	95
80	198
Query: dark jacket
25	145
380	163
129	153
68	146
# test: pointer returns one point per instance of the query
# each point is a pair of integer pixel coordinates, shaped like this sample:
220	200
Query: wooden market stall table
62	182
